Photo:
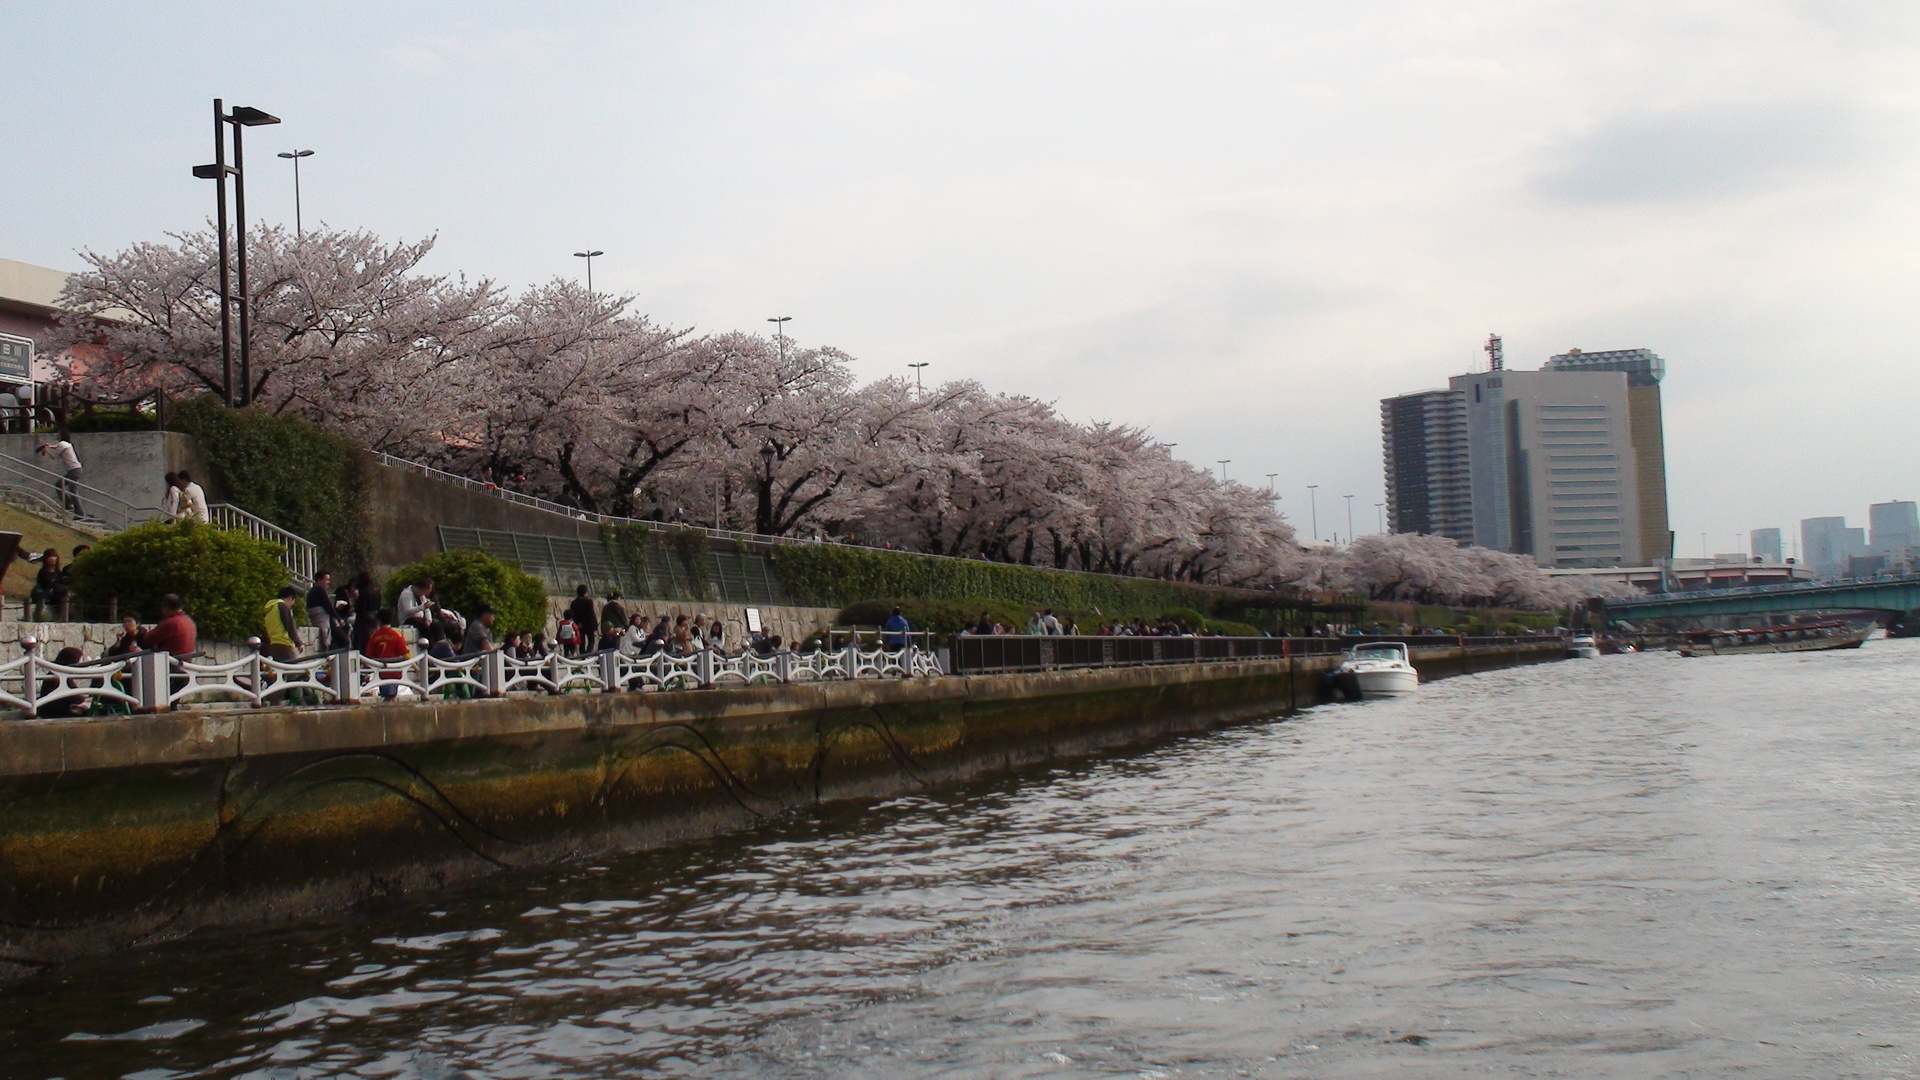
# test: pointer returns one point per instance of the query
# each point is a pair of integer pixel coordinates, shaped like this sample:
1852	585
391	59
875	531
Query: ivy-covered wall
301	477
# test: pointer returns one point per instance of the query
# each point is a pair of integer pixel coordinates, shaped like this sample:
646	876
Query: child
386	643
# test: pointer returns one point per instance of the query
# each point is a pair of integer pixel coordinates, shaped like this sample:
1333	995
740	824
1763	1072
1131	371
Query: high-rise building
1826	544
1553	467
1895	528
1765	545
1644	369
1424	442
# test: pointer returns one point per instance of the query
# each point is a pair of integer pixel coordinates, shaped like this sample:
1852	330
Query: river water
1633	867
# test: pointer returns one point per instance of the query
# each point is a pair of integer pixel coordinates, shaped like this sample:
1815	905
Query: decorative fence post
254	673
850	660
30	689
150	680
906	660
609	670
703	667
343	678
783	666
493	673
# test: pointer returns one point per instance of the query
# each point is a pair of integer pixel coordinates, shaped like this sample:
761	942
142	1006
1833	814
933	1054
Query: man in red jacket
175	632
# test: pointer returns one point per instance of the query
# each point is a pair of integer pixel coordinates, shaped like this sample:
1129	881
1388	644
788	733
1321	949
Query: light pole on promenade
780	333
1313	505
241	118
1270	477
1349	499
1223	468
295	156
1382	510
589	256
917	388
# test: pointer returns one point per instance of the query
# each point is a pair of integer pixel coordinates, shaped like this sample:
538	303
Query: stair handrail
299	555
118	513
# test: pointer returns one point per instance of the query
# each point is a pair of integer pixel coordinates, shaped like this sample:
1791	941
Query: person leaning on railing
283	630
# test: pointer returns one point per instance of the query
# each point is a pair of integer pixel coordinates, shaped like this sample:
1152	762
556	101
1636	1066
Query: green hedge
463	580
224	579
301	477
826	576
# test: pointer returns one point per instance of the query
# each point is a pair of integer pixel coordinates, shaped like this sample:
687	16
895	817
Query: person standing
320	609
585	619
61	450
365	597
193	498
386	644
896	628
170	502
283	630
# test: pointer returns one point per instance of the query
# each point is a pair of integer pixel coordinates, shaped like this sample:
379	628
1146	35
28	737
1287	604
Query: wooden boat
1800	637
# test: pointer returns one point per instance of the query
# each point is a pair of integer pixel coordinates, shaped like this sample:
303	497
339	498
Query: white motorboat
1583	647
1377	669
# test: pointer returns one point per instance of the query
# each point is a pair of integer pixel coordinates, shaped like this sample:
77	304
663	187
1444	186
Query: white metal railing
300	555
51	494
154	681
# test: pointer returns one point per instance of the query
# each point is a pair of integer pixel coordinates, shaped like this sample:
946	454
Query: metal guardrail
44	492
1738	591
975	654
299	555
577	514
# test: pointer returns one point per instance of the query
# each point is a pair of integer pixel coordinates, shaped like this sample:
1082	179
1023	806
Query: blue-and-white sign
16	358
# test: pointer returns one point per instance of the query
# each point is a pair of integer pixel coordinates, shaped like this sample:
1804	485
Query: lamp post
1223	468
1270	477
295	156
917	388
780	333
1349	499
1313	504
589	256
241	118
1381	508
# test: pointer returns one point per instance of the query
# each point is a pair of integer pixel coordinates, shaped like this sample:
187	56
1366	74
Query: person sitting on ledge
66	707
479	635
128	642
175	634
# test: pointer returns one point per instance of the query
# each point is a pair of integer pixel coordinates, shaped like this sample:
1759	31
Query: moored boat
1377	669
1798	637
1583	647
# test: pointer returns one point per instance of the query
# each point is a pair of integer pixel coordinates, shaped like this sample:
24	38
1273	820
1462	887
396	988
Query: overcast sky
1238	224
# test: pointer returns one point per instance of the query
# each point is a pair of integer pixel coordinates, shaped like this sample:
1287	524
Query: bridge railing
1737	592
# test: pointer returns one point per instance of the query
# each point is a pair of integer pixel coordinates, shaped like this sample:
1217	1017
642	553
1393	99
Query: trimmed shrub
463	580
224	579
302	478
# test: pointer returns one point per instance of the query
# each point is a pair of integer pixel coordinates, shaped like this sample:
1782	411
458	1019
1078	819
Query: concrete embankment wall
114	832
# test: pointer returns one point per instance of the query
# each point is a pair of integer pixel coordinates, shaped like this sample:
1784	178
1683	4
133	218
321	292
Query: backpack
568	633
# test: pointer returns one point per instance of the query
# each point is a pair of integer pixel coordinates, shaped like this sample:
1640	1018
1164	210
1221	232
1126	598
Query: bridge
1895	596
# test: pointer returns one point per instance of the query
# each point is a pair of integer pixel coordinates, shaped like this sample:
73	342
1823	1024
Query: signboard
16	359
753	620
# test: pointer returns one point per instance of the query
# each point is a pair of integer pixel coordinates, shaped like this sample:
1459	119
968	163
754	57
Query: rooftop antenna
1495	354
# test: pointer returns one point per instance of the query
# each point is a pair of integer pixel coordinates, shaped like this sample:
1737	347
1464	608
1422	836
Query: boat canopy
1380	650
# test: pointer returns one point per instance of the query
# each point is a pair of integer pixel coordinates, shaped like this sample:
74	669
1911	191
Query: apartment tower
1423	440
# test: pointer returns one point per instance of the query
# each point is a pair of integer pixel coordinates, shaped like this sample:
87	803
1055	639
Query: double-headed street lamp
917	388
240	119
780	332
1222	462
295	156
589	256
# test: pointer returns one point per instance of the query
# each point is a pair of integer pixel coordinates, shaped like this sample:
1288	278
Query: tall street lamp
1223	468
1270	477
239	119
1349	499
780	333
1380	509
295	157
589	256
917	388
1313	503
